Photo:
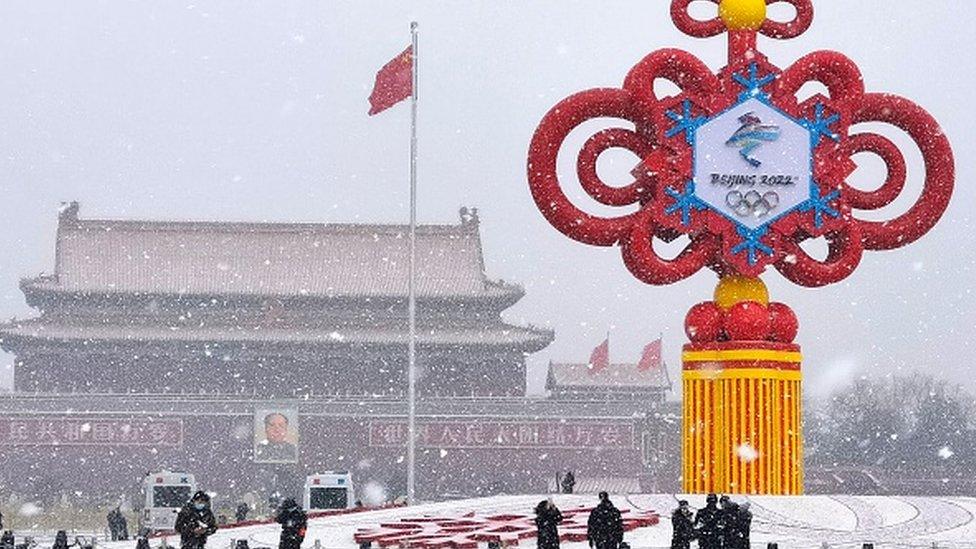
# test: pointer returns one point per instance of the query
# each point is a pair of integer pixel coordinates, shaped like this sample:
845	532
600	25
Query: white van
166	492
329	490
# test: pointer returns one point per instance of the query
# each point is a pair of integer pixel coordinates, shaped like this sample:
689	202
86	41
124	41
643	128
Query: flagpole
412	289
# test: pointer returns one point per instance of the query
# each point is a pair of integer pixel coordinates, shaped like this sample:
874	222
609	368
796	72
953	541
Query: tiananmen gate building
175	345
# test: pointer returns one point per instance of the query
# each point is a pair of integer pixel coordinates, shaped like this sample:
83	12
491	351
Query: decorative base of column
742	428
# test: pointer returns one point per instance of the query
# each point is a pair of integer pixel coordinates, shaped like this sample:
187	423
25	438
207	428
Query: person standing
605	527
547	519
240	514
293	521
121	524
744	525
61	540
195	522
682	526
729	523
569	481
113	524
707	524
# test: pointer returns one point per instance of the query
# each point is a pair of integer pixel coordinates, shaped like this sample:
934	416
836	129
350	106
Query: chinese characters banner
90	432
515	434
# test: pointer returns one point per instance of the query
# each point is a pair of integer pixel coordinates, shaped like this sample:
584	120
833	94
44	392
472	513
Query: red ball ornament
703	322
747	321
783	324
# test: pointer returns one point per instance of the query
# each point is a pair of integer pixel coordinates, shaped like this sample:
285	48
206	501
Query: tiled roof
529	339
267	259
566	376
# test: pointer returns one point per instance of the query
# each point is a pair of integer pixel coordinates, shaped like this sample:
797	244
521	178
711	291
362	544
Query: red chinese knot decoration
738	163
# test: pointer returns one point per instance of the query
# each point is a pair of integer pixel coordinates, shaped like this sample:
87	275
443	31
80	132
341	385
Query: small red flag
394	83
651	359
600	357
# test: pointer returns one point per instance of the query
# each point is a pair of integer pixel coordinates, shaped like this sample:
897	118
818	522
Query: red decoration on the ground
703	323
783	324
467	532
662	134
747	321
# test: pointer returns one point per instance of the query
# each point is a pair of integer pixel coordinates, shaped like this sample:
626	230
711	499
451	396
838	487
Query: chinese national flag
394	83
600	357
651	359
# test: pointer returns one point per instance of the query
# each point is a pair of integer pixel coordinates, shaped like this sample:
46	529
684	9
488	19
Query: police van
329	490
166	492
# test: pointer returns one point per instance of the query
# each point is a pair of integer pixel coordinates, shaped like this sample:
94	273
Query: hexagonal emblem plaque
752	164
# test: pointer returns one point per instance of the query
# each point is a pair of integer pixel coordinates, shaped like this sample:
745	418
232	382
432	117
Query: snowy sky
257	111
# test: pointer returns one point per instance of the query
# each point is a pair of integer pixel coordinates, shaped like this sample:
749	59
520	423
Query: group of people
118	527
196	522
604	528
7	541
721	524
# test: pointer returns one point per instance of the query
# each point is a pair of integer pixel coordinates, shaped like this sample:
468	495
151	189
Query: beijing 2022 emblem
739	161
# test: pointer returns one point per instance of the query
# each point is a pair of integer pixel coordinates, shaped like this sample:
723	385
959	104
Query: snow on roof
267	259
624	375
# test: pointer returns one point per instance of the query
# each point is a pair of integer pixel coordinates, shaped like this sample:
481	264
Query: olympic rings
752	204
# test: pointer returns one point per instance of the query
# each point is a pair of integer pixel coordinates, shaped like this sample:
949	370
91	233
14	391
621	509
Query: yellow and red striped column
742	418
742	422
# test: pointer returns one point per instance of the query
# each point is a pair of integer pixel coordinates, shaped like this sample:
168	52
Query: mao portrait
276	436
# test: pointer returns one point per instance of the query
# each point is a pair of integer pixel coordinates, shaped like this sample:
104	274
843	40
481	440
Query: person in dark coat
61	540
113	525
708	528
729	523
744	525
195	522
240	514
682	526
121	524
117	525
293	521
547	519
605	527
569	481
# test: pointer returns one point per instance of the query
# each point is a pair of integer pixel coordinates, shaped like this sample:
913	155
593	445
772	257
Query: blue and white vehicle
166	492
329	490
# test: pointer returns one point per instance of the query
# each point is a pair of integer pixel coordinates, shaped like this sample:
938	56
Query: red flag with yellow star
394	83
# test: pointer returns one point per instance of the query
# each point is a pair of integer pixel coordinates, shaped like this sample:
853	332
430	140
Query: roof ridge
258	226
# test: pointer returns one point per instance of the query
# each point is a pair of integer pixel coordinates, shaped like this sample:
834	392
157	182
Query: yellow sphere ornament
736	289
740	15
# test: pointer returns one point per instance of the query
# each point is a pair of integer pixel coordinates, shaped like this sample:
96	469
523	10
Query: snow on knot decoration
738	163
468	531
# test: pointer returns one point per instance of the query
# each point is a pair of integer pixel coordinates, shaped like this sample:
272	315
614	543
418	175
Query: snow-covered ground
794	522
